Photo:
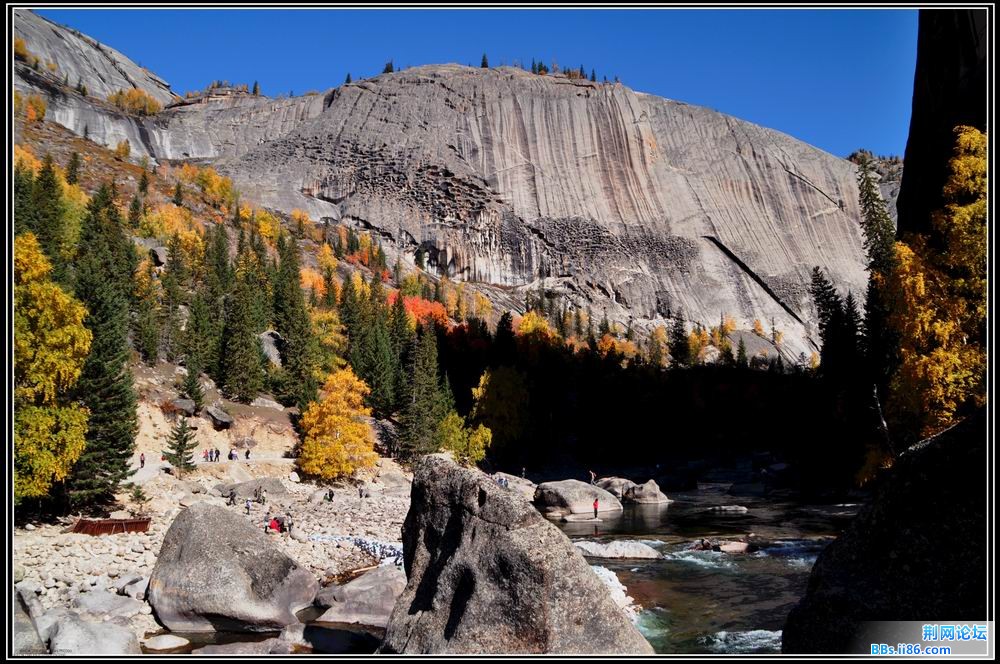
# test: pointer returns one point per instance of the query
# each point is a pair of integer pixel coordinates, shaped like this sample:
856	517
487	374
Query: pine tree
485	64
202	335
146	333
178	198
191	386
50	219
293	323
242	366
680	351
256	89
742	361
329	289
180	448
423	408
143	183
25	219
593	76
388	69
175	280
73	169
605	327
103	285
881	342
135	213
348	79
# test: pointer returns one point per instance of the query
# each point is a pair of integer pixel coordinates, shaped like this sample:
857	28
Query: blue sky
838	79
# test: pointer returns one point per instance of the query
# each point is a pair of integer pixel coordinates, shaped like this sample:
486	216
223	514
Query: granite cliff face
607	197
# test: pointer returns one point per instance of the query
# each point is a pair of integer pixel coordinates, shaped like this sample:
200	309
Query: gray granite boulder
617	549
616	486
488	574
916	551
216	572
573	497
366	600
72	635
645	494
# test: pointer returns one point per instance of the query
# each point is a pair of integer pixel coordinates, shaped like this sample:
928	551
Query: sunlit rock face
617	200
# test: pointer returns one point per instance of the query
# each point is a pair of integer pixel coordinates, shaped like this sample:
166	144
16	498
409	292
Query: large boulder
916	551
573	497
271	343
367	600
272	485
488	574
26	638
220	418
616	486
523	486
617	549
645	494
216	572
72	635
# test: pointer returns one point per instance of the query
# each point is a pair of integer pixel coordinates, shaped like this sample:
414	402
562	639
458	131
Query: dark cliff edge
916	551
950	88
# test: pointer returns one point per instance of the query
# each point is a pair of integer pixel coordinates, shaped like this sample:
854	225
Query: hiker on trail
248	507
218	454
267	522
329	495
523	473
248	454
361	491
204	455
593	477
263	495
232	497
595	507
142	460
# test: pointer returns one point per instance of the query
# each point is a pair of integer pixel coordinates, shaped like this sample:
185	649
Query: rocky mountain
610	198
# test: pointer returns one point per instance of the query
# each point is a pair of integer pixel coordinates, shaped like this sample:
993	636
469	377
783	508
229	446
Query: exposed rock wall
615	199
949	89
100	68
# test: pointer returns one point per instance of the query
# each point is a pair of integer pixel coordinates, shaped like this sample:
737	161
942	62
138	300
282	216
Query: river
710	602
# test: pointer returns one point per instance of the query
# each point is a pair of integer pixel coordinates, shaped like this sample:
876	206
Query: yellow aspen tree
337	439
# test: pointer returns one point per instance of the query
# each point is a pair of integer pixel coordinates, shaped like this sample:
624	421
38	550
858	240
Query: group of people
278	524
214	455
503	481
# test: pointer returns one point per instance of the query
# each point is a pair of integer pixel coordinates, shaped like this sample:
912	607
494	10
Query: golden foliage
534	327
312	280
325	258
21	51
758	327
50	347
123	150
939	302
135	101
24	159
330	339
34	108
337	441
467	445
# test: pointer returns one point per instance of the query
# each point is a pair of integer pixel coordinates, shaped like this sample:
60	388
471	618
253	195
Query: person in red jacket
595	506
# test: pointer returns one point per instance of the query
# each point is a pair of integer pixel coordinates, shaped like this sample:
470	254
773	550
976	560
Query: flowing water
711	602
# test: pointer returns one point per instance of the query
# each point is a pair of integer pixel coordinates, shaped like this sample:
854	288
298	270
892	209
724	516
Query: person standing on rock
248	454
248	507
204	455
142	459
218	454
593	477
596	504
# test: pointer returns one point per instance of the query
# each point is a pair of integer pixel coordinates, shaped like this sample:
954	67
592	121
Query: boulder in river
616	486
523	486
488	574
573	497
916	550
617	549
645	494
367	600
216	572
